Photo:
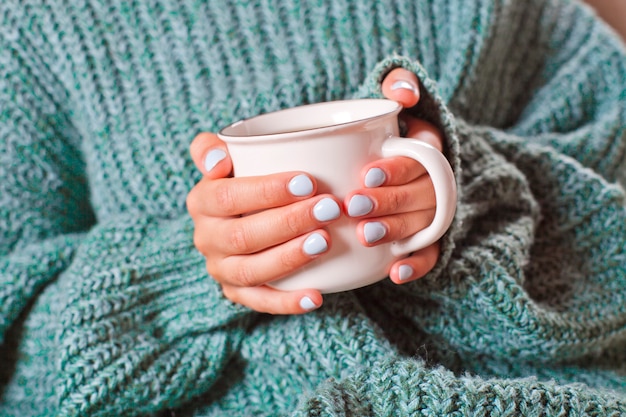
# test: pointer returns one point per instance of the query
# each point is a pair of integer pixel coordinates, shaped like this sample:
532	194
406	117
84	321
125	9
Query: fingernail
315	244
326	209
405	272
375	177
402	84
307	304
374	231
359	205
213	158
300	185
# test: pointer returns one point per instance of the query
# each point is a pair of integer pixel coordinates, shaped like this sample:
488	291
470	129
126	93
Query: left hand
398	198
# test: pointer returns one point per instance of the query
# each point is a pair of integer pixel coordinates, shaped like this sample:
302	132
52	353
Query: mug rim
226	137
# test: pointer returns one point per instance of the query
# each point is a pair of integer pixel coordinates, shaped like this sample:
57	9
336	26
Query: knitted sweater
106	308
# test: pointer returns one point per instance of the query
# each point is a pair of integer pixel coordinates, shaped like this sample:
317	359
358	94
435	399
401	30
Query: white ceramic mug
333	141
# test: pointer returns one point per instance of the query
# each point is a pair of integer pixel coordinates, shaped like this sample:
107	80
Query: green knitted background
106	308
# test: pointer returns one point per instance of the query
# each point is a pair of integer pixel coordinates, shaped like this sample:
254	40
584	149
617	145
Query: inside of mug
312	116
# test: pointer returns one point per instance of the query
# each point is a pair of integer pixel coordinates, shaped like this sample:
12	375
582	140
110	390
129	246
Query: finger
268	300
415	266
225	197
401	170
375	231
417	195
424	131
264	229
397	170
402	86
210	155
274	263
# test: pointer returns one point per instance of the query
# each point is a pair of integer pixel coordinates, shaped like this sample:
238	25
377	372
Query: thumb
401	85
210	155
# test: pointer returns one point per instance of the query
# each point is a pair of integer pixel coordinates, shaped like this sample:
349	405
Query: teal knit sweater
106	308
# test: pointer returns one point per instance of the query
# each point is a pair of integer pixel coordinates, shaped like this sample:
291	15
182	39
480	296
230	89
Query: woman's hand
282	230
398	198
283	226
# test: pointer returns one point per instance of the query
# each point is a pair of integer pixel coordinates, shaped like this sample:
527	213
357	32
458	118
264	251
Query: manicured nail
359	205
326	209
405	272
307	304
402	84
300	185
374	231
375	177
315	244
213	158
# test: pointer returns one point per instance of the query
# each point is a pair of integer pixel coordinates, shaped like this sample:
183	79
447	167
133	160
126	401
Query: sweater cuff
432	109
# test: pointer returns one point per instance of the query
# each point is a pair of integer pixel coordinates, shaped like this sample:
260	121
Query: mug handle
443	181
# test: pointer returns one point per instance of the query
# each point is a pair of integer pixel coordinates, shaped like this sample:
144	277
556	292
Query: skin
245	253
613	12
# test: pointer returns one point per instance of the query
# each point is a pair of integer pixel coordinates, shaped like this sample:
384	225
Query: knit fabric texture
106	308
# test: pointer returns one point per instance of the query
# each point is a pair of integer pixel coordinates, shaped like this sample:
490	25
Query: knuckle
266	189
238	240
402	227
245	275
209	267
199	242
230	294
224	198
204	232
213	269
269	190
397	201
290	260
192	202
293	222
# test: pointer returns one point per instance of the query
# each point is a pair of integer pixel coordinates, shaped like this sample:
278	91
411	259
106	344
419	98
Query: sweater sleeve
143	323
532	269
538	246
139	321
43	194
531	280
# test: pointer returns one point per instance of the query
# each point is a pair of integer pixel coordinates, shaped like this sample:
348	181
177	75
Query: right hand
254	230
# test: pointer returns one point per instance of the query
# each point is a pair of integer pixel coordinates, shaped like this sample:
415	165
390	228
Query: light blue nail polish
213	158
402	84
374	231
375	177
315	244
307	304
359	205
300	185
405	272
326	209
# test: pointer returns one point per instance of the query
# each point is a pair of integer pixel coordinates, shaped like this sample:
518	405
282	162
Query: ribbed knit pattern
106	308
